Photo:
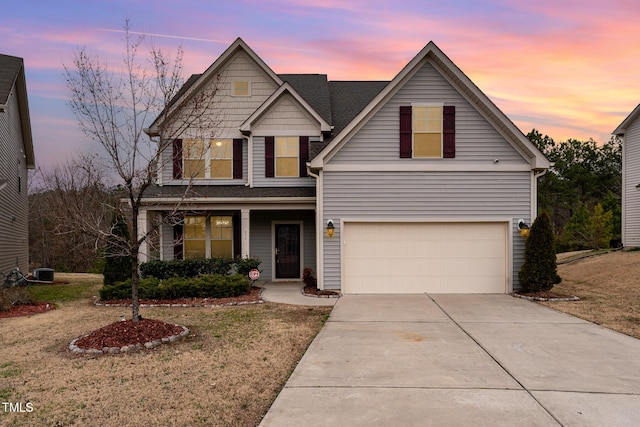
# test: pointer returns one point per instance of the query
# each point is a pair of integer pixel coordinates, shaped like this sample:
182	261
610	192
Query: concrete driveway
456	360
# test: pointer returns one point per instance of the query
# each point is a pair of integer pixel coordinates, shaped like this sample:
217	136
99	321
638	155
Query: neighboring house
629	131
422	180
16	156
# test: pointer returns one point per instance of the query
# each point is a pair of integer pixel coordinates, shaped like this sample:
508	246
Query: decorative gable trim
285	88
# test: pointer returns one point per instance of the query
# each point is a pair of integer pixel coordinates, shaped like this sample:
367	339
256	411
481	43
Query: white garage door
424	257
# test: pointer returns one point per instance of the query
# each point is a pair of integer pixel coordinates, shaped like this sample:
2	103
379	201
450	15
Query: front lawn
608	288
227	371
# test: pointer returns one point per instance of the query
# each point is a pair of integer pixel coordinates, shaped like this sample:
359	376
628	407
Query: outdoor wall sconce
330	228
523	227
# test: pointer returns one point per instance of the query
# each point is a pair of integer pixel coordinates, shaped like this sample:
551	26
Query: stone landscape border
126	348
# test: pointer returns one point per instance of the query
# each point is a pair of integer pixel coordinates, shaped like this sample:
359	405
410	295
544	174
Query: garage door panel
424	257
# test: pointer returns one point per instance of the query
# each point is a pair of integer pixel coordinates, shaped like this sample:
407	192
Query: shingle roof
10	67
348	98
314	88
228	191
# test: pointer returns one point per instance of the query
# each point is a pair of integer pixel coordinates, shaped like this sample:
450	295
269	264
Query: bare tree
70	210
114	105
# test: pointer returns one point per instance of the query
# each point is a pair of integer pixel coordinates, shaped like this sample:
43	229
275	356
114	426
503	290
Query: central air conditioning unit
43	274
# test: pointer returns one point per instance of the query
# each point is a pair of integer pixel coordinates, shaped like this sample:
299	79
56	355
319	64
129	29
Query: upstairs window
427	131
287	151
207	159
241	88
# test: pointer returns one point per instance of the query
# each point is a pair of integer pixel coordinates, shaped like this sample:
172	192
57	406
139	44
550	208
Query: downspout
534	194
319	230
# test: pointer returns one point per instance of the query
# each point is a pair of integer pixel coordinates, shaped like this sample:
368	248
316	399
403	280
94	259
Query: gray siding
423	196
261	241
14	233
259	180
631	206
231	111
476	139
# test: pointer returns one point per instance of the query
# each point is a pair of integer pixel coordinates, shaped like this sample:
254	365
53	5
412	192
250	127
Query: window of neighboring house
241	88
208	237
427	131
287	148
208	159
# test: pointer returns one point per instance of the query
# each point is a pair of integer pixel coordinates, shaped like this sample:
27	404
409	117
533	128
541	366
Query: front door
287	251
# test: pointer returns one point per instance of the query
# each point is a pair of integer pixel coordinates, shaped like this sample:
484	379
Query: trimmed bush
244	265
539	271
187	268
204	286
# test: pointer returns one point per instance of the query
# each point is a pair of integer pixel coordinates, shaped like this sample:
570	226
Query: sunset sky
569	68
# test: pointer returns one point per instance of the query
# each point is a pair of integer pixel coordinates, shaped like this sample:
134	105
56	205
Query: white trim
508	222
427	165
273	250
623	199
285	87
219	200
245	228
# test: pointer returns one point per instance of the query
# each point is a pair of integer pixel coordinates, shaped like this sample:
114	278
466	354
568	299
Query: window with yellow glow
207	159
195	237
193	155
221	154
241	88
287	148
208	237
427	131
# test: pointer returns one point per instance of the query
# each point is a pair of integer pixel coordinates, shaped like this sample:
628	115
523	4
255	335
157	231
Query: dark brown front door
287	251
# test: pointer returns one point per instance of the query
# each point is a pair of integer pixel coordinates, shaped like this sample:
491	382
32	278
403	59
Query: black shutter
449	132
269	157
237	158
304	154
406	151
177	159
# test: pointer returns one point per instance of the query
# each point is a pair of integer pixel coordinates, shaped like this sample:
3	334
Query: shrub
187	268
308	278
204	286
539	271
244	265
10	297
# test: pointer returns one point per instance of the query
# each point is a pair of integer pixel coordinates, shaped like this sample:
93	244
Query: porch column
244	226
143	254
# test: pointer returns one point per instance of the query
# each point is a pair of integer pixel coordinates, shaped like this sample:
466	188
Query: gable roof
12	74
622	127
196	81
467	89
278	94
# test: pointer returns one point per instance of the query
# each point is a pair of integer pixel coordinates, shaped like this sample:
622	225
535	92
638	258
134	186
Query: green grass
76	289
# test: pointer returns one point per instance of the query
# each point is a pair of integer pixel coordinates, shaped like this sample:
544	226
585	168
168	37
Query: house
419	184
629	131
16	156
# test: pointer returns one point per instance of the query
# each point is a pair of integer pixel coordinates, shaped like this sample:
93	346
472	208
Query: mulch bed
314	291
545	296
27	310
126	333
